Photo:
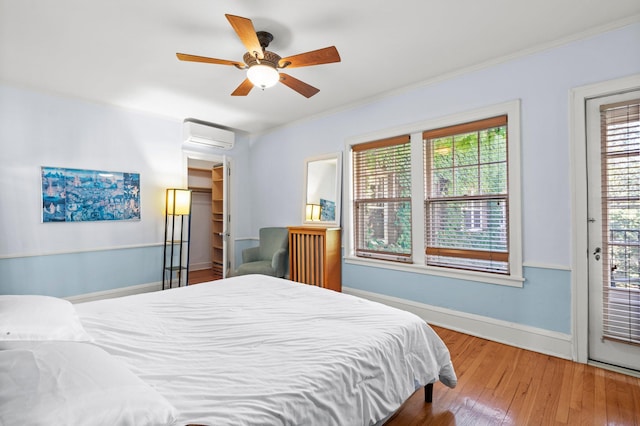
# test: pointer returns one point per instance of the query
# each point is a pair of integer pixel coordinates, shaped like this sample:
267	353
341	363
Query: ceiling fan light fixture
263	76
262	65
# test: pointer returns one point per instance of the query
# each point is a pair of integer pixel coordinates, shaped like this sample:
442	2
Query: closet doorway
208	179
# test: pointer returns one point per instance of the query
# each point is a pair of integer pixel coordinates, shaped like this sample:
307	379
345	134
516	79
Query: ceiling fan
262	65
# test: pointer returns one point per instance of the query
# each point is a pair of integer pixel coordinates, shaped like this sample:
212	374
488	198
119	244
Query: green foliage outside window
623	214
385	212
472	165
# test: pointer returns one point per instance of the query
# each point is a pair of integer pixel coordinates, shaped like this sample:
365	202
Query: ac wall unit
208	135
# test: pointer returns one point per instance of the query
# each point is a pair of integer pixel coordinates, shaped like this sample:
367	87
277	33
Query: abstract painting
79	195
327	210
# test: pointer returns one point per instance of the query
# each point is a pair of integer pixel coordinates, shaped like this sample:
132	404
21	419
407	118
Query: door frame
214	158
579	219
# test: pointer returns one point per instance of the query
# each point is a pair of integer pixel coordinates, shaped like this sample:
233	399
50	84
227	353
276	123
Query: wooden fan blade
244	88
315	57
194	58
301	87
244	28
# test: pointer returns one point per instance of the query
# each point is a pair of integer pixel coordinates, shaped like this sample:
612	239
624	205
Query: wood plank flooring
504	385
202	276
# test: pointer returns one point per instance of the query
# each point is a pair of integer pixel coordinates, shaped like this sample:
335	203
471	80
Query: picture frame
84	195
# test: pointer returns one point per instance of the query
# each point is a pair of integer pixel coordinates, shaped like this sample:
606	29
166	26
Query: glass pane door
613	146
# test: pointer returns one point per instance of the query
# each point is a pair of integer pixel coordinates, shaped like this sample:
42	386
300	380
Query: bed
248	350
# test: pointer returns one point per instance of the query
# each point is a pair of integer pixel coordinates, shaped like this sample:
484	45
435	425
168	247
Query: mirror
322	190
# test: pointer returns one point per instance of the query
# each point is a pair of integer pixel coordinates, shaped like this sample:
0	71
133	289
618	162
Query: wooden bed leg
428	393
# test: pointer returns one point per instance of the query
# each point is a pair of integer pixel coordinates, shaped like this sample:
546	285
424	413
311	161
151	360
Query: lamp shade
178	201
313	212
263	76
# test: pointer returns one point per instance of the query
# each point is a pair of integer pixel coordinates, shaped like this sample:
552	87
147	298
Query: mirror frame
338	190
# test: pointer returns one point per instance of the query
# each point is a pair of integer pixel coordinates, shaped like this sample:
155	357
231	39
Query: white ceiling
122	52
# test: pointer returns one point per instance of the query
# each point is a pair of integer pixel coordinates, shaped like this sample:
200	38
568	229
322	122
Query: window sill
510	281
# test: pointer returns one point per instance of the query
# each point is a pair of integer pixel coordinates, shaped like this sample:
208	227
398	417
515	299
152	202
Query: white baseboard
116	292
518	335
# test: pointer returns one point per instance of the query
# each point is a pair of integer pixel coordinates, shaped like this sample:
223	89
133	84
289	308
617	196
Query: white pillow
31	317
71	383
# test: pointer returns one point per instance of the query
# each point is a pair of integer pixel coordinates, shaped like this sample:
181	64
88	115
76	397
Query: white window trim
515	279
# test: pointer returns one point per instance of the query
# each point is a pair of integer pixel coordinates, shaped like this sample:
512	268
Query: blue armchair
271	257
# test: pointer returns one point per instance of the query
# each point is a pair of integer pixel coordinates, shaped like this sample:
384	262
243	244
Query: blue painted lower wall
71	274
543	302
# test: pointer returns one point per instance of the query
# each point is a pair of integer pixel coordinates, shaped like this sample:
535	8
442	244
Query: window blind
382	199
466	196
620	143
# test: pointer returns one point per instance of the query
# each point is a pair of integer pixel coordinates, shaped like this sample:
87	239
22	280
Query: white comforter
256	350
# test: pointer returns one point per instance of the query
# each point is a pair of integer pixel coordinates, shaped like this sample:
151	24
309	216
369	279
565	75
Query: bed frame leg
428	393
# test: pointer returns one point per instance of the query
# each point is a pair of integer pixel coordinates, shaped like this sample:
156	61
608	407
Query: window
382	199
440	197
466	196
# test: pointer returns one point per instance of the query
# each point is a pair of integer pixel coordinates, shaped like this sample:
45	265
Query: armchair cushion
272	240
270	257
262	267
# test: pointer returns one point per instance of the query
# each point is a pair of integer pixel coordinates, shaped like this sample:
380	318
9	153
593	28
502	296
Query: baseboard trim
116	292
518	335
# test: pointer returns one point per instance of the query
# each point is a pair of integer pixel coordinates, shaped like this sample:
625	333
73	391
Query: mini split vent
207	134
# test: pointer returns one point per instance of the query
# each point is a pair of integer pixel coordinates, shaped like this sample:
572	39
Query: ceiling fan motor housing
264	38
271	59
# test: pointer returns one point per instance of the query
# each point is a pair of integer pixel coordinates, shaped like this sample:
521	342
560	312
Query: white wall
41	130
62	259
542	82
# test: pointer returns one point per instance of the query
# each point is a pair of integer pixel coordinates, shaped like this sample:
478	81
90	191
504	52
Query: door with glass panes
613	164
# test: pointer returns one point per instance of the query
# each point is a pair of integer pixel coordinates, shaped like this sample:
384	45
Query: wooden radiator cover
315	256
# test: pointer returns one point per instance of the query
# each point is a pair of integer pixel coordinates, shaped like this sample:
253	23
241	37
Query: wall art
79	195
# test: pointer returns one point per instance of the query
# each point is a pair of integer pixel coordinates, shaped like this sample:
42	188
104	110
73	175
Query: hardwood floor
202	276
503	385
